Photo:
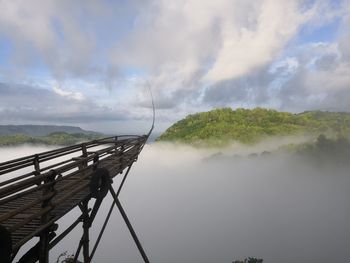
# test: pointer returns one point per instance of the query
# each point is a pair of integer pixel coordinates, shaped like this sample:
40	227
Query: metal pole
101	232
108	215
85	238
126	219
78	251
44	247
65	232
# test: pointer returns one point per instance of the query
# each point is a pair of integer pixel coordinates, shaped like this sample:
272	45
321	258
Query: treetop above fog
219	127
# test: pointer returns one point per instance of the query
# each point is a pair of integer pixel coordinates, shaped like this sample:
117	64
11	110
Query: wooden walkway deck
40	189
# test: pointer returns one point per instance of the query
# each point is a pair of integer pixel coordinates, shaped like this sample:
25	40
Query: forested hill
221	126
40	130
55	138
11	135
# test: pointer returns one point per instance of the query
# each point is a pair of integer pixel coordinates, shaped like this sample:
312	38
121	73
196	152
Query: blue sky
89	63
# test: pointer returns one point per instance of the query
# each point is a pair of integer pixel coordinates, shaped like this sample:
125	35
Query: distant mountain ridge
41	130
221	126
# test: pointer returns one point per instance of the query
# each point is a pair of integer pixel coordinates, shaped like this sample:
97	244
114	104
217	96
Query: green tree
219	127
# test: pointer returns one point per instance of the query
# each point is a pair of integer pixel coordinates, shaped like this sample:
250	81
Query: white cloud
188	45
245	48
333	79
289	64
221	39
52	32
201	40
69	94
189	51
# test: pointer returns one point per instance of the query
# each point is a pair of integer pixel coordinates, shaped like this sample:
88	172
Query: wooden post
44	247
83	148
116	145
36	164
121	158
85	162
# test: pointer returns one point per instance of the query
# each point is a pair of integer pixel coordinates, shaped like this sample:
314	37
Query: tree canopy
221	126
56	138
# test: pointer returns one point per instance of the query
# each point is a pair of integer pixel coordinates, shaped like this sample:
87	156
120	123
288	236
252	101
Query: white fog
187	209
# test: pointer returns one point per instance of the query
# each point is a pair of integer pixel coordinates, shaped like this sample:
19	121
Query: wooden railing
39	189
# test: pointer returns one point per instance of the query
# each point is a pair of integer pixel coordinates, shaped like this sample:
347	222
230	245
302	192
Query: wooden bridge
37	190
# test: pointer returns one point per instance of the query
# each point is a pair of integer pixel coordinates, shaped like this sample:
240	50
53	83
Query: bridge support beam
131	229
50	191
86	227
44	242
44	247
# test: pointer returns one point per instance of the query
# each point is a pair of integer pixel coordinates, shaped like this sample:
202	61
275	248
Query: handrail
36	179
45	155
41	188
33	182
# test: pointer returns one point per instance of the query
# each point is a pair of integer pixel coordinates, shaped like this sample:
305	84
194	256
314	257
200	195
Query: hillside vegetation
56	138
40	130
219	127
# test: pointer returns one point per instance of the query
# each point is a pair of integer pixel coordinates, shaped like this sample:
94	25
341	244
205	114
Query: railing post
36	164
116	145
121	154
84	155
95	161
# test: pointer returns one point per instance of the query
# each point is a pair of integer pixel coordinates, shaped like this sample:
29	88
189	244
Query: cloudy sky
90	62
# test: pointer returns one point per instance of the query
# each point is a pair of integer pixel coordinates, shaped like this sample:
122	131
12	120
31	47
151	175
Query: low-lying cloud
187	210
